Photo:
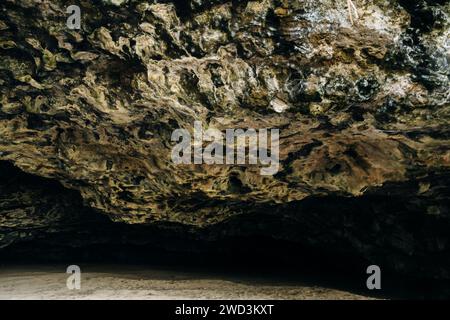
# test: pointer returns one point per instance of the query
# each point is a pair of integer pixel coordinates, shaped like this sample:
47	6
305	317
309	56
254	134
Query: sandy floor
139	282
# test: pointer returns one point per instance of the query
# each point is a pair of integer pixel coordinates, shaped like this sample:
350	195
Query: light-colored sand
139	282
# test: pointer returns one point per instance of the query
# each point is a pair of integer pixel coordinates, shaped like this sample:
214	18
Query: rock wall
361	99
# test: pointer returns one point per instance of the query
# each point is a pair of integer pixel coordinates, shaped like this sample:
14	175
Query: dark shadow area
280	263
41	222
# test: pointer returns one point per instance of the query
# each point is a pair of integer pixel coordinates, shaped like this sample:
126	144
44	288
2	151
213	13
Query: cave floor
132	282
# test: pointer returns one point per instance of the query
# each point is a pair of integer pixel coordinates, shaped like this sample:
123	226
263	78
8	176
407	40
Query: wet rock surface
361	101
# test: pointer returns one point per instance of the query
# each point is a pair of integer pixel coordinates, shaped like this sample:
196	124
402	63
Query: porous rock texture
363	111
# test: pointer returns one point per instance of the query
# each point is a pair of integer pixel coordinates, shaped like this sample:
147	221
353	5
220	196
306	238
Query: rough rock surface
363	110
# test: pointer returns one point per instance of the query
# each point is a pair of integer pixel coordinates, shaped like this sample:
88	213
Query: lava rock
362	104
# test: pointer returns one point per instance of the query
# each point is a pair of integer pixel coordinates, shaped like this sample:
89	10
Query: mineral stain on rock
362	102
